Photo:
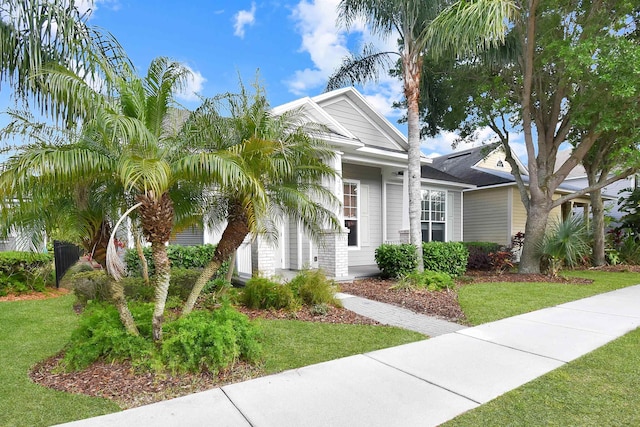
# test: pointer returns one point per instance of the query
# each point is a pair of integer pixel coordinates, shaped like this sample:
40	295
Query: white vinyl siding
370	179
191	236
486	216
352	119
394	212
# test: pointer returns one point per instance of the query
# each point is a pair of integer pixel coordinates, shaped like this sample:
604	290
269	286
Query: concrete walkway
388	314
419	384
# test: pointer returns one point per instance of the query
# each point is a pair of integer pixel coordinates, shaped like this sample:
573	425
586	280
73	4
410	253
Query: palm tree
36	35
129	142
410	20
285	163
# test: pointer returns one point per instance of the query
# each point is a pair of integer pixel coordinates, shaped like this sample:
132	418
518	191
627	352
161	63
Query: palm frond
485	24
360	68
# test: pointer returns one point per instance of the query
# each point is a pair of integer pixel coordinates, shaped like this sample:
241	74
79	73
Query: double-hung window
433	216
351	203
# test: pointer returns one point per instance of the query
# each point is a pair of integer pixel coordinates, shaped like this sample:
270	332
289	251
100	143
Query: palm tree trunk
140	252
232	266
232	237
162	277
117	295
411	73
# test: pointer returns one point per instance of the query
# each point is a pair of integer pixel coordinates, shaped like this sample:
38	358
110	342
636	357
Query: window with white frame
351	201
433	215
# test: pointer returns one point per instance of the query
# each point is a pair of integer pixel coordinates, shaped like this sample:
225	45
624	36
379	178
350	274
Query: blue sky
295	45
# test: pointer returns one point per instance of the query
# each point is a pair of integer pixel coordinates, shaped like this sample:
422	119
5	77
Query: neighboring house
493	211
371	159
611	193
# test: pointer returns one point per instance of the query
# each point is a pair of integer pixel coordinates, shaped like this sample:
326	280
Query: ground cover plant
597	389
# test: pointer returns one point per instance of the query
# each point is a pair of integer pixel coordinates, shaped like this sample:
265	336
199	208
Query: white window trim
357	183
446	211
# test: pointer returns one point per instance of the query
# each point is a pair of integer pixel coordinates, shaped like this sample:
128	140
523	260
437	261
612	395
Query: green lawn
598	389
486	302
30	331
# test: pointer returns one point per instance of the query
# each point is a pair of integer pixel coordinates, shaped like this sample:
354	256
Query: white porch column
263	258
333	254
405	236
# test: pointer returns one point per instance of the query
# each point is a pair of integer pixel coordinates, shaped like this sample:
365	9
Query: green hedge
188	257
92	286
396	261
25	272
445	257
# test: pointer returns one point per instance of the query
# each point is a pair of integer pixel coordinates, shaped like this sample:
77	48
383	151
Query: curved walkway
420	384
388	314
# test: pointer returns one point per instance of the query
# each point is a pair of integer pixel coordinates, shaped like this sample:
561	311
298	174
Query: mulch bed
443	304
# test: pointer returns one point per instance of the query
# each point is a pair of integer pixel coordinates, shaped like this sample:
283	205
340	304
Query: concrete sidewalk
419	384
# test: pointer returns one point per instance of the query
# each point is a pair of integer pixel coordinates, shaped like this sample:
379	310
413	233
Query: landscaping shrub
430	280
396	261
313	288
445	257
479	258
566	243
90	286
25	272
265	294
202	340
93	285
100	335
209	341
501	261
185	257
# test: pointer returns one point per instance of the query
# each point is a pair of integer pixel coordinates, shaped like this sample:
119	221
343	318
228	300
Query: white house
371	159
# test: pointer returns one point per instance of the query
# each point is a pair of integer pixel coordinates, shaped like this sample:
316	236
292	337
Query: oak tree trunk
597	209
535	228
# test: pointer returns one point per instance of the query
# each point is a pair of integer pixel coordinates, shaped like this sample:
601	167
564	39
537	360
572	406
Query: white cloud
327	45
244	18
194	85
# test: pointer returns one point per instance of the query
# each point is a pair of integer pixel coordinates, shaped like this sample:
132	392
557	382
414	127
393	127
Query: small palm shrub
429	280
395	261
566	243
262	293
313	288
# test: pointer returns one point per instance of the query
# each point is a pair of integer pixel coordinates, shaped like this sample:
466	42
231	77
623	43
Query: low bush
89	286
501	261
100	335
209	341
25	272
479	255
396	261
202	340
313	288
430	280
262	293
445	257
